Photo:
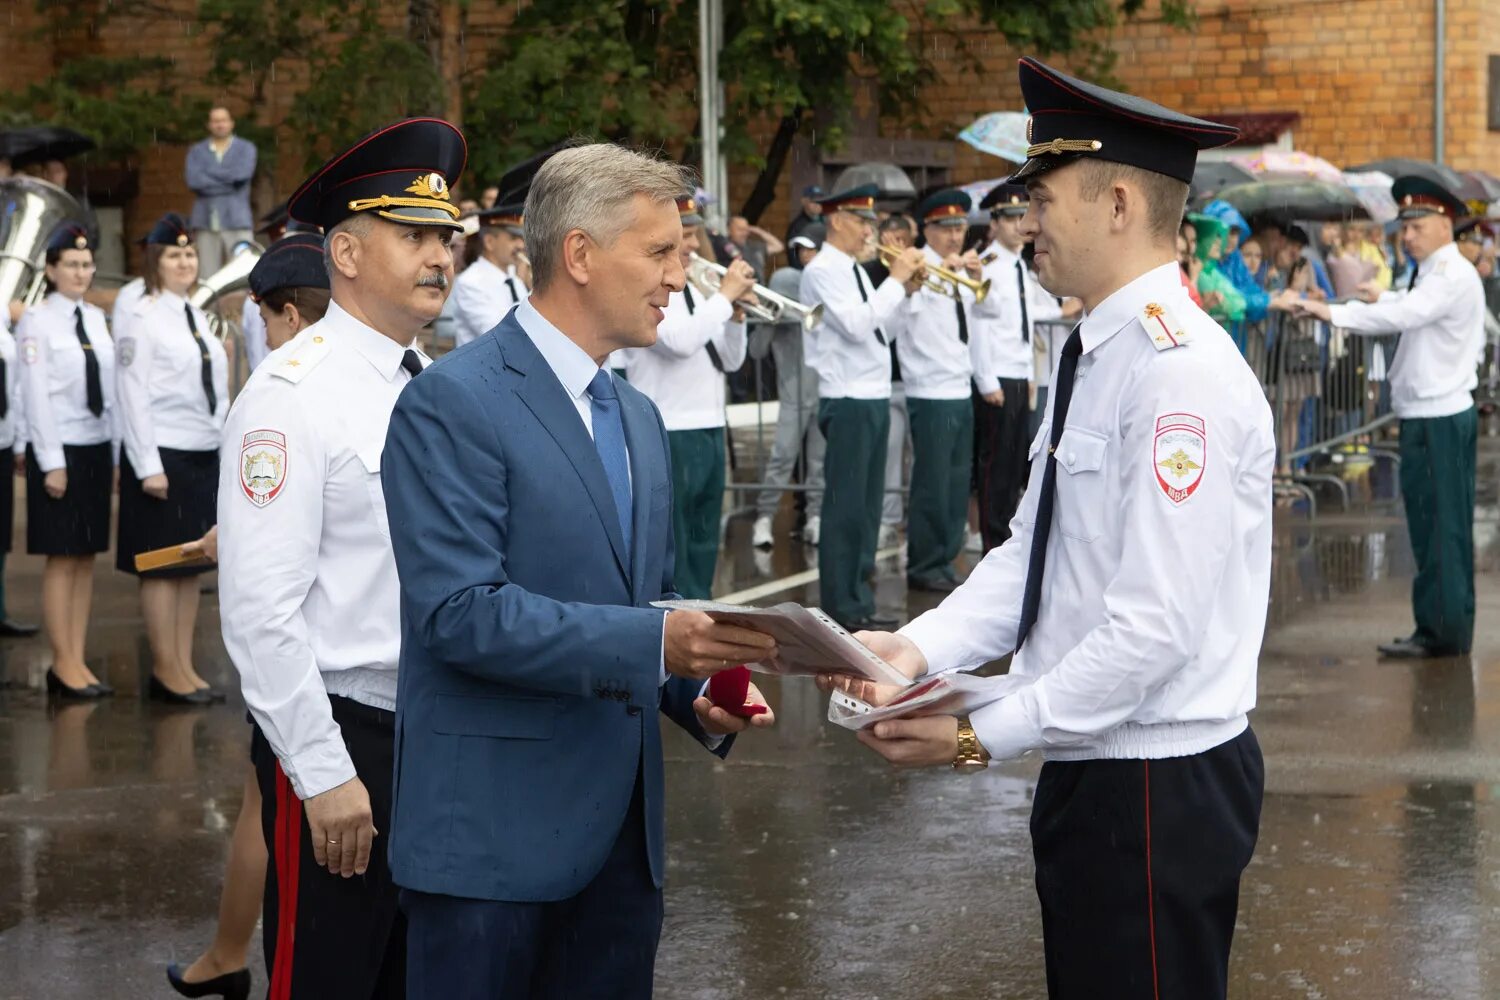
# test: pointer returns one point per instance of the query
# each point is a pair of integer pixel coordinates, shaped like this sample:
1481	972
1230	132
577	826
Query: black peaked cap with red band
1071	118
1418	196
294	261
403	172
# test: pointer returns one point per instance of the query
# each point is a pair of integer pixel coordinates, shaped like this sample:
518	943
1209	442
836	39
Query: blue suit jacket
530	658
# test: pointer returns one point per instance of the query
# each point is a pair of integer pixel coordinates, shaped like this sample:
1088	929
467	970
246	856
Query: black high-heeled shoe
56	686
160	692
231	985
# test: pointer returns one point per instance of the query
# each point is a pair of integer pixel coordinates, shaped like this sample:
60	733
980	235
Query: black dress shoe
1410	649
105	689
215	693
160	692
233	985
935	585
55	686
16	630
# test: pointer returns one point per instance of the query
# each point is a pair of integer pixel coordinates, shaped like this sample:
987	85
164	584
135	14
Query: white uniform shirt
159	381
126	299
482	295
677	373
13	424
252	334
1158	566
934	358
1441	321
55	395
309	599
999	350
843	349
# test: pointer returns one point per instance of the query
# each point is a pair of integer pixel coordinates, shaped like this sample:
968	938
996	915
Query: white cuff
320	767
1006	728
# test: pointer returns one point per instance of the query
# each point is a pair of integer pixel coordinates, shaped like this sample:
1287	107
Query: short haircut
311	303
1166	197
357	225
591	187
894	222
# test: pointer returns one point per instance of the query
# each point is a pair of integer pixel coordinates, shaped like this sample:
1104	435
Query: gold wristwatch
971	756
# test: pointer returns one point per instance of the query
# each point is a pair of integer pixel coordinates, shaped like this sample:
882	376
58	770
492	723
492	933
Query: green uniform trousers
697	506
854	486
942	446
1438	456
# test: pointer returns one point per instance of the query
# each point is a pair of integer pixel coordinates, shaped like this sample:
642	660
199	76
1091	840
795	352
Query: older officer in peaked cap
1440	315
309	597
1133	587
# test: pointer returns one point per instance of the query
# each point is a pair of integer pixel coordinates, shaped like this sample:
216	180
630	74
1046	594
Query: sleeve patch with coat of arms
1179	455
263	461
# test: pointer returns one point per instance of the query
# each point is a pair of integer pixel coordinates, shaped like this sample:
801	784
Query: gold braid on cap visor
1057	146
386	201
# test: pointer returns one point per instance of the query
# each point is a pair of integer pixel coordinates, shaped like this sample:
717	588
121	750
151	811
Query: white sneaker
887	537
811	530
760	537
975	543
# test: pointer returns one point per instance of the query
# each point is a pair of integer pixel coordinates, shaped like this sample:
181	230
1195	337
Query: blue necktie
609	441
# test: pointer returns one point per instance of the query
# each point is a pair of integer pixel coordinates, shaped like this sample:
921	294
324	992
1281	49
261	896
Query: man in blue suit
529	497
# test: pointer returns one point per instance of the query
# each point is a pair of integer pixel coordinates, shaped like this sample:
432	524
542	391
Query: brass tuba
233	277
30	211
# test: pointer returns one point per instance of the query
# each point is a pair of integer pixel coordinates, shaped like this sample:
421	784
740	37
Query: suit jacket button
633	710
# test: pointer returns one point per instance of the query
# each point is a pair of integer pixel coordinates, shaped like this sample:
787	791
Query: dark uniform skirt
191	508
7	498
77	523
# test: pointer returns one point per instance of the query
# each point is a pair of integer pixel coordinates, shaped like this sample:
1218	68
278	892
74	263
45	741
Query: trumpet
939	278
767	305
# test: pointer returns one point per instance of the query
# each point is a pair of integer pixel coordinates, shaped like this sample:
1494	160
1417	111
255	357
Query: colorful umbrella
1373	189
1283	163
999	133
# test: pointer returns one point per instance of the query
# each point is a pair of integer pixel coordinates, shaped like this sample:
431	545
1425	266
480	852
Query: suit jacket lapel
544	395
643	439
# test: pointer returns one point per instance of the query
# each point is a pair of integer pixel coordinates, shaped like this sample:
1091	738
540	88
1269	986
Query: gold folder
168	558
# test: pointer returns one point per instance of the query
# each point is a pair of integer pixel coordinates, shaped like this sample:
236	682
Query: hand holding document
808	642
940	694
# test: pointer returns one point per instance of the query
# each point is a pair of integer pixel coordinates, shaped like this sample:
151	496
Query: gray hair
357	225
591	188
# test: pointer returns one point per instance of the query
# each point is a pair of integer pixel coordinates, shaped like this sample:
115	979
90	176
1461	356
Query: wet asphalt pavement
804	867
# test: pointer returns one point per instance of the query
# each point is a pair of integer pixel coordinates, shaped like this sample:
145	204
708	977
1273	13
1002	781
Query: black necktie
859	279
511	284
411	363
4	396
1021	288
963	321
90	365
1413	282
1062	395
206	365
713	353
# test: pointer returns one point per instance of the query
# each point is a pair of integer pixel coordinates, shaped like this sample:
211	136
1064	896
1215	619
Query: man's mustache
437	280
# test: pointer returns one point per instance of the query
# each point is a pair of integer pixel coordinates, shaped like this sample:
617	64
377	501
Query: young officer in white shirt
1441	319
494	284
935	365
850	351
1004	362
1135	582
700	340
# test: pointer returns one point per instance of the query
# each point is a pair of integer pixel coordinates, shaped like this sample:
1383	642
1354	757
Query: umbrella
1287	201
890	180
999	133
1373	189
1274	163
1454	181
1211	175
39	143
1487	182
976	192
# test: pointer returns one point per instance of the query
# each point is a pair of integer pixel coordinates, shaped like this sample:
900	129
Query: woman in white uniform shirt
173	384
68	367
12	455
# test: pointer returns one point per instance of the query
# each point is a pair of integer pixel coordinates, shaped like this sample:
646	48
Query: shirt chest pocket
1082	491
368	469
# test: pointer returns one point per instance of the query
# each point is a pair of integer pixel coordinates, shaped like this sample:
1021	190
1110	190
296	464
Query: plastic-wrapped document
807	640
940	694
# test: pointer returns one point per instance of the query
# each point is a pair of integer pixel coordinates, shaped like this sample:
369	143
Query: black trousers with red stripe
328	937
1138	866
1000	465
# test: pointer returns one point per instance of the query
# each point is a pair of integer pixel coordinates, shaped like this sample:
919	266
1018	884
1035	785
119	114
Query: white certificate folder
807	640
